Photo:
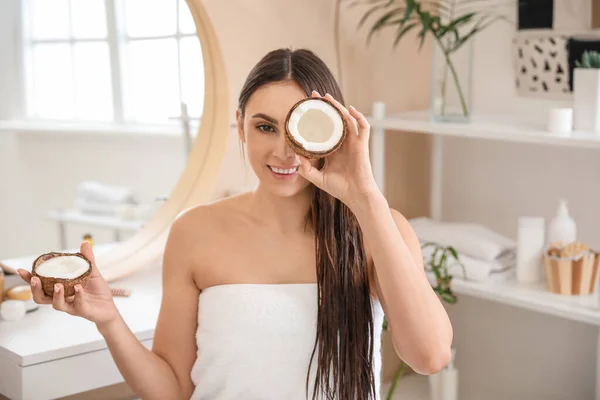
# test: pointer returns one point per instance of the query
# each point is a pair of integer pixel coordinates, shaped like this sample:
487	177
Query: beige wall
248	30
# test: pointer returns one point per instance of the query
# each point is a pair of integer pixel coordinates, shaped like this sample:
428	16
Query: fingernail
76	288
33	281
314	91
56	288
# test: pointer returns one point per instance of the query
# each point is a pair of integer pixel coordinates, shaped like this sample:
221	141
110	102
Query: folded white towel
470	239
96	192
86	206
475	269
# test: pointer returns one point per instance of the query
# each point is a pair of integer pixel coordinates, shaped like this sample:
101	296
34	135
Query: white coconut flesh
316	125
64	267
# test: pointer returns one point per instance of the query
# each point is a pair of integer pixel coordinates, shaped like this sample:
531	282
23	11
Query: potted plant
442	258
586	92
452	24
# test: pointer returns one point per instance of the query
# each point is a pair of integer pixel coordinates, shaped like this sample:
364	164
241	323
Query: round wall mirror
198	179
143	113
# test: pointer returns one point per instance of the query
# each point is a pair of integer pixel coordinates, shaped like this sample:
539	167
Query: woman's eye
265	128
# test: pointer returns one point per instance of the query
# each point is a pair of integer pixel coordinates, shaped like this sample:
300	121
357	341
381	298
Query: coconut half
315	128
69	269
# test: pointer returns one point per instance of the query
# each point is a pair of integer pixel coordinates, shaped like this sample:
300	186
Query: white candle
560	120
530	247
378	110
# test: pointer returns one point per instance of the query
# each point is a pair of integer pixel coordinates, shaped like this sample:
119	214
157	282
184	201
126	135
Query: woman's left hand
347	173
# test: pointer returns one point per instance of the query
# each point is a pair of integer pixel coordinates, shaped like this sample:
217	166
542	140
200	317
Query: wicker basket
571	275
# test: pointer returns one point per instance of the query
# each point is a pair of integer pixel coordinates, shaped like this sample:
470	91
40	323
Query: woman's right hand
94	302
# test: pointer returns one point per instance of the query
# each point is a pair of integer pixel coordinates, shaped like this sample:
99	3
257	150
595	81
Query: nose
283	149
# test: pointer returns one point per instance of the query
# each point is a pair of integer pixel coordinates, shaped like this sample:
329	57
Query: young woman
279	293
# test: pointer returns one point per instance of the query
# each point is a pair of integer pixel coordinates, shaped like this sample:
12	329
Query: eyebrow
266	118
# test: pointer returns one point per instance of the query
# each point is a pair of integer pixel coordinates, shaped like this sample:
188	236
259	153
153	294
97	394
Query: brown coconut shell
297	147
68	284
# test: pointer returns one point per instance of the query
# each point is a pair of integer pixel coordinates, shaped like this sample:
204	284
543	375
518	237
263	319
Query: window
111	60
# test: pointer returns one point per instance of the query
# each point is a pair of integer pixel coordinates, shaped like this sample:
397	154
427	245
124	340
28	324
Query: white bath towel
473	240
476	269
96	192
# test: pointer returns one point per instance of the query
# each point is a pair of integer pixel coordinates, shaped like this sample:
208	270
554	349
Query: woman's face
263	133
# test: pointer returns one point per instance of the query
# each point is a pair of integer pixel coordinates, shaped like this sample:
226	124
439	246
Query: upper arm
174	338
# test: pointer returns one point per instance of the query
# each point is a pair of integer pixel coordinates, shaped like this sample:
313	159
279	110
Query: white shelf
502	127
105	221
534	297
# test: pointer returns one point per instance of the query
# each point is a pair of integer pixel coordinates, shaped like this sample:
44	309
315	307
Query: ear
240	125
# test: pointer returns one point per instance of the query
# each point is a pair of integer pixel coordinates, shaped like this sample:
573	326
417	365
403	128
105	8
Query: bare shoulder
198	230
186	261
204	221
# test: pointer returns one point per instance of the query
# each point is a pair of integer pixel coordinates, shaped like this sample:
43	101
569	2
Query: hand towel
473	240
475	269
97	192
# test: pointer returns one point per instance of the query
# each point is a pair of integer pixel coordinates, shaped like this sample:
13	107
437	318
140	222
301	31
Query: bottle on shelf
562	227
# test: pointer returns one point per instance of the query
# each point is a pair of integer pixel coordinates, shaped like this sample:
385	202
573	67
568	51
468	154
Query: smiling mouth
284	171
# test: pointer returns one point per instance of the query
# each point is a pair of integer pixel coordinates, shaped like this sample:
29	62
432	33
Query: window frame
116	39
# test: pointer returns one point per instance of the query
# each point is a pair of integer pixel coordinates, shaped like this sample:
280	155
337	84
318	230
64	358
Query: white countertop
46	334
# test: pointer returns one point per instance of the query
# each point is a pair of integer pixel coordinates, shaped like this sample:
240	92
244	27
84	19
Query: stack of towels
485	254
98	198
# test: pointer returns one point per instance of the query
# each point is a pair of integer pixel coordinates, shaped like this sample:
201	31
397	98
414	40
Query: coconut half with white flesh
315	127
69	269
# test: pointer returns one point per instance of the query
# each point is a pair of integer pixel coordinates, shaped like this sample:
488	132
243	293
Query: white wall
503	352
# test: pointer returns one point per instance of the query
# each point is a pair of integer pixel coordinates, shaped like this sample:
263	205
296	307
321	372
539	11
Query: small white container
560	121
530	248
12	310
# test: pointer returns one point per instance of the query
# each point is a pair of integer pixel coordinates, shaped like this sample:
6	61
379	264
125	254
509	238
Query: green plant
442	258
589	59
451	23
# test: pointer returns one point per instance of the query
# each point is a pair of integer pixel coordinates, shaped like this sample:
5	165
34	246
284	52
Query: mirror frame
199	177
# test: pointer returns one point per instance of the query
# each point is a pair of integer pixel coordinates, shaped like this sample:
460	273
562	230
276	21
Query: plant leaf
480	26
381	22
369	13
410	7
401	32
425	18
454	253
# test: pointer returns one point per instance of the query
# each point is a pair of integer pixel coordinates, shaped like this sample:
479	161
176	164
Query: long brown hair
345	320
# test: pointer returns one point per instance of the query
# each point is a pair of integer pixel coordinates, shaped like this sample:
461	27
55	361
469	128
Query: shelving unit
502	127
526	129
115	223
534	297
